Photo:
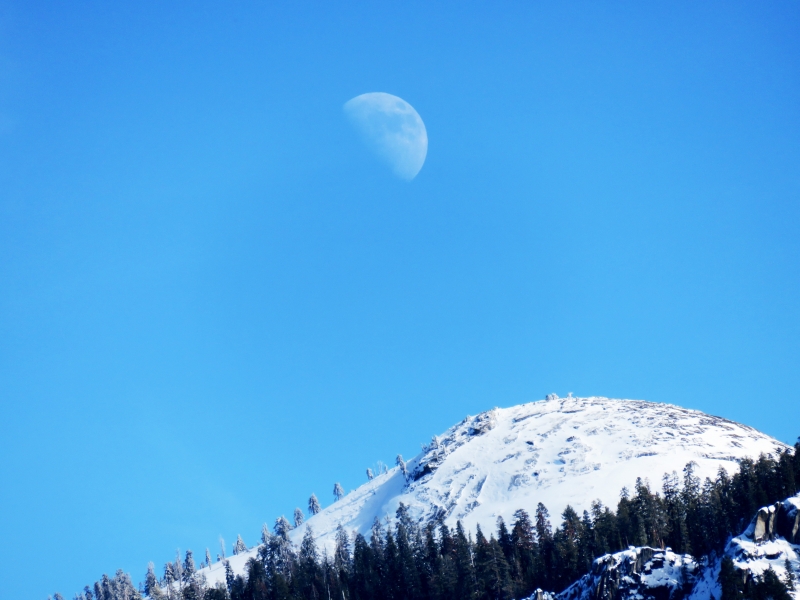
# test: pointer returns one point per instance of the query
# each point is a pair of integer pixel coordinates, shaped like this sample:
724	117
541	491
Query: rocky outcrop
434	454
637	573
781	519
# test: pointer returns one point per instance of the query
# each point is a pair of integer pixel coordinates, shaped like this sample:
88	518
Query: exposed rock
781	519
637	573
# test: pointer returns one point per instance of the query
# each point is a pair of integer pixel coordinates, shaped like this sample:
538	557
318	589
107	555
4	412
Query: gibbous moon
392	129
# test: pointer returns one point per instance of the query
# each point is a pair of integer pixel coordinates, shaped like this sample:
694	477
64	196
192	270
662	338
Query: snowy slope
557	451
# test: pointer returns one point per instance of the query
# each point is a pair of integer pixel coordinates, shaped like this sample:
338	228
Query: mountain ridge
558	451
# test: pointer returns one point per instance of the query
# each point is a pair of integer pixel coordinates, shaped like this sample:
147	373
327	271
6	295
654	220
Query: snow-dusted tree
58	596
313	505
119	588
169	579
338	492
402	464
309	558
188	566
282	527
265	534
208	558
370	476
298	517
341	556
177	568
229	577
278	553
239	546
222	547
151	587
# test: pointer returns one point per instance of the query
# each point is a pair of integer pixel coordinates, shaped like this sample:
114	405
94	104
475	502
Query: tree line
408	560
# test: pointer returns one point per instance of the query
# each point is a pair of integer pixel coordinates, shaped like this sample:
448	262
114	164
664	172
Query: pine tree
239	547
464	569
313	505
222	547
151	587
402	464
229	577
370	476
208	558
524	540
298	517
188	566
265	534
790	577
177	568
282	527
546	567
341	555
730	581
169	579
338	492
771	587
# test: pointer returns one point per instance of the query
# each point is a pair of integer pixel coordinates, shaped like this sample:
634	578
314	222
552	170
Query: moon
392	129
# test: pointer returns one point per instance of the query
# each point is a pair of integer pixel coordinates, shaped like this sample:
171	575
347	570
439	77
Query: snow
558	451
664	570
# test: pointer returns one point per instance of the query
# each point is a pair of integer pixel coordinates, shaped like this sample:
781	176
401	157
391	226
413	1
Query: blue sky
214	301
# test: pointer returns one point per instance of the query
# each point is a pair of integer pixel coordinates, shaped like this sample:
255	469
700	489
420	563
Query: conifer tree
338	492
169	579
222	548
151	587
402	464
177	568
265	534
239	547
298	517
370	476
770	587
282	527
230	579
313	505
188	566
208	558
545	567
790	577
524	538
464	569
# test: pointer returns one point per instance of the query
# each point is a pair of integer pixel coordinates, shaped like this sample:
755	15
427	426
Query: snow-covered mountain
558	451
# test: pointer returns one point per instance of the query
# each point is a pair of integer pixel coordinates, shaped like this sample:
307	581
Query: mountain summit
559	451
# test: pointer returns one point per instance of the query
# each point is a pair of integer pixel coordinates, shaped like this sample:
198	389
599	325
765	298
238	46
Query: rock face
637	574
779	520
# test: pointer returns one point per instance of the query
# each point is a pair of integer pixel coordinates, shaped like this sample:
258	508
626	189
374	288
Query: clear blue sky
214	301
